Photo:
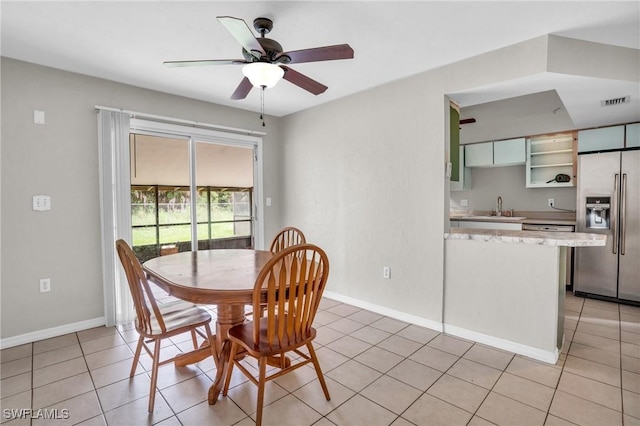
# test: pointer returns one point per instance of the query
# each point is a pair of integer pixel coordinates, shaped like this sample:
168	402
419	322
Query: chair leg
261	382
136	356
194	339
232	357
316	364
154	374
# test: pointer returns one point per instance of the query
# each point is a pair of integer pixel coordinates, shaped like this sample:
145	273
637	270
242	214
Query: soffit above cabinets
532	114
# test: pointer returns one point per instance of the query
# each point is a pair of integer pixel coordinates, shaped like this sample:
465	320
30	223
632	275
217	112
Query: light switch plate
41	203
38	117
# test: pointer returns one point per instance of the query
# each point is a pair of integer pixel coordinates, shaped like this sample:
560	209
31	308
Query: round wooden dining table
222	277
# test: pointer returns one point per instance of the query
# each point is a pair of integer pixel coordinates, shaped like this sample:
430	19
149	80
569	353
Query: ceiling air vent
616	101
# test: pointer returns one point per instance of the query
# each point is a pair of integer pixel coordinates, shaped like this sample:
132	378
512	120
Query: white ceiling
128	41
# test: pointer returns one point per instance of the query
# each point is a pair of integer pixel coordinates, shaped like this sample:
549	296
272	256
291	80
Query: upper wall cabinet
632	135
509	152
548	157
602	139
478	155
501	153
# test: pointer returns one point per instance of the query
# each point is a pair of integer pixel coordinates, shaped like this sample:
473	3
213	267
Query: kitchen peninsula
504	288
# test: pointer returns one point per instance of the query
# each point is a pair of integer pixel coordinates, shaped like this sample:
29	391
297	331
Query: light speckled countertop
568	239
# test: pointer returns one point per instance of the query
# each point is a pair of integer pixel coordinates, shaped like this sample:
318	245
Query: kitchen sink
495	217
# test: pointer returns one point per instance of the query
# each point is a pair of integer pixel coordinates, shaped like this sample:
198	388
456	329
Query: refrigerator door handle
614	214
623	213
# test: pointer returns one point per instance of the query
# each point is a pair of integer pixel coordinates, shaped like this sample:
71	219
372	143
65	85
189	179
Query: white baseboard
550	357
48	333
400	316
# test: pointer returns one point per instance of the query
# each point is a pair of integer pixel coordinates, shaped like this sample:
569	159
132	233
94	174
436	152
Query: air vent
615	101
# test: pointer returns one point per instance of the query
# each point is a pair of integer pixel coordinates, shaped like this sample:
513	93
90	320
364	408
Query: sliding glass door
160	196
190	192
225	183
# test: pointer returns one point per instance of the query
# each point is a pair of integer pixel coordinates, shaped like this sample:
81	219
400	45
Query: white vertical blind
115	184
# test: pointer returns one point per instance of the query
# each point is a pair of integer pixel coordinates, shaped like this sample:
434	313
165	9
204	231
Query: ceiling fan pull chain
262	105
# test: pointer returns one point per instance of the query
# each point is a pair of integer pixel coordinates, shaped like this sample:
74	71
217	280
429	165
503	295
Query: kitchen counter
504	288
565	239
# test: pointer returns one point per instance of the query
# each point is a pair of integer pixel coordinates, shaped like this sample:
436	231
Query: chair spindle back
295	279
143	298
287	237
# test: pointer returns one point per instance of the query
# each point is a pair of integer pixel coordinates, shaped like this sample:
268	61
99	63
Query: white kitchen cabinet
509	152
632	135
500	153
464	174
601	139
479	154
548	156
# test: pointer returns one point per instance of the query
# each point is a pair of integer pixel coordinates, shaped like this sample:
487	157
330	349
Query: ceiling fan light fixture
263	74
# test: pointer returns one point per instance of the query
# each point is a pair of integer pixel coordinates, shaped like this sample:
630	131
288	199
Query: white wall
60	159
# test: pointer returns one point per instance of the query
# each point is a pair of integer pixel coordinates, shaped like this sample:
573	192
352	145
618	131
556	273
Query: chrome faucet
499	210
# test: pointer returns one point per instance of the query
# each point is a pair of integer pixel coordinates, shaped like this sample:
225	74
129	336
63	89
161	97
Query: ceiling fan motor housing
272	47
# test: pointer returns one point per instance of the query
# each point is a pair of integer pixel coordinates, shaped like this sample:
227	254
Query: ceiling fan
264	60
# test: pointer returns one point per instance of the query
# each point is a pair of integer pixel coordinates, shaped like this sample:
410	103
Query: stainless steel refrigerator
609	203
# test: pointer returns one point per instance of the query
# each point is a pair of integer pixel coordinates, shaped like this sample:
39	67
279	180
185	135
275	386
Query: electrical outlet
551	202
45	285
386	272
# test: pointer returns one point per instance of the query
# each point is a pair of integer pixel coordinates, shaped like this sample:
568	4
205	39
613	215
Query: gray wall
364	178
509	182
60	159
527	115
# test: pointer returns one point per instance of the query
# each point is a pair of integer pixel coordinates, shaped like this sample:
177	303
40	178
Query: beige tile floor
380	371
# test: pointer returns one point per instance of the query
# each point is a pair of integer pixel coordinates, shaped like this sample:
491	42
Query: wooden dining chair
287	237
156	321
291	284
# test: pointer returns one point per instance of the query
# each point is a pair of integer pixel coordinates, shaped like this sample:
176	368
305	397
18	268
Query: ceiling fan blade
241	32
303	81
242	90
203	62
326	53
